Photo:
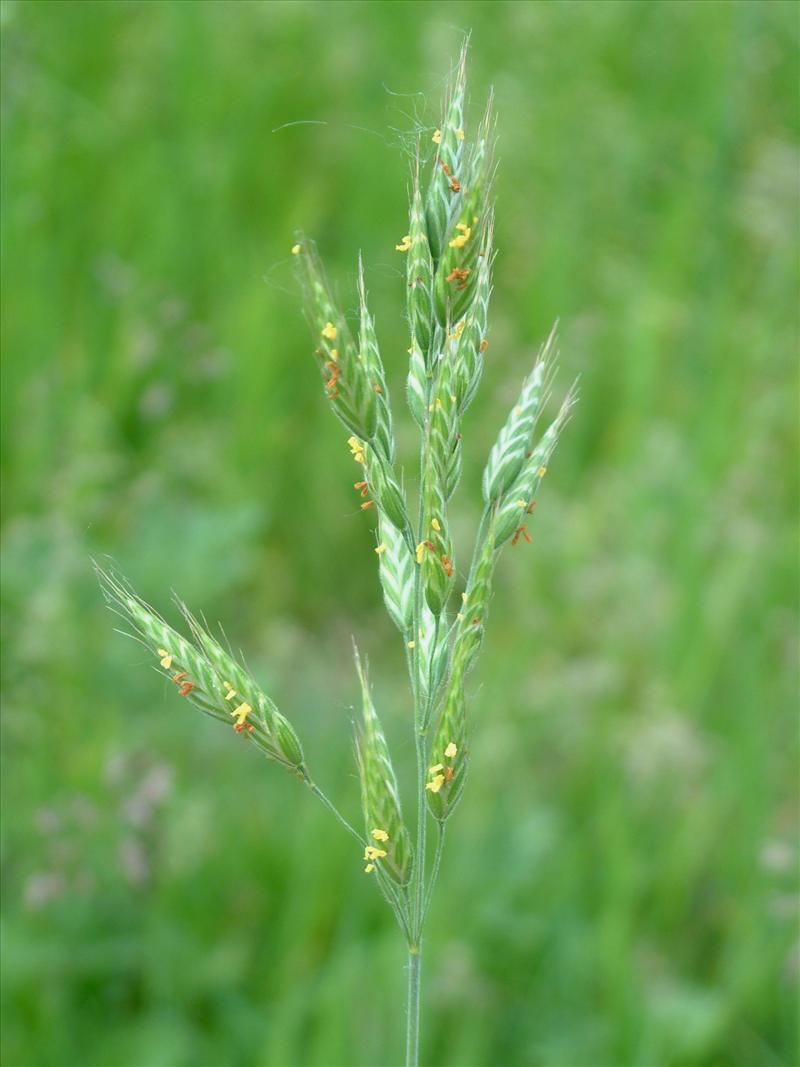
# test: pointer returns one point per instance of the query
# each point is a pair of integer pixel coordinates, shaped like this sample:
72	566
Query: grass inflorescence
449	253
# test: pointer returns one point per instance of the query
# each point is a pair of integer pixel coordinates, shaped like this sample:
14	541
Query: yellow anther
334	354
437	137
357	449
295	250
474	220
380	549
241	713
412	644
405	244
329	331
370	867
435	525
542	471
436	768
463	228
436	784
460	134
379	835
372	853
451	750
230	694
522	503
166	658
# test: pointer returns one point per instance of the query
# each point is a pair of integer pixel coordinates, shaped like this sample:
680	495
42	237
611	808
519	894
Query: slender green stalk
315	789
412	1008
437	862
422	825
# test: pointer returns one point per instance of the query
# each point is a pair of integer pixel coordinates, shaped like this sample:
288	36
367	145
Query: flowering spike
204	674
380	797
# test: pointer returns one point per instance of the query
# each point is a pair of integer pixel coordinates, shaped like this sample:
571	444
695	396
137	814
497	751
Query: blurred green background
620	882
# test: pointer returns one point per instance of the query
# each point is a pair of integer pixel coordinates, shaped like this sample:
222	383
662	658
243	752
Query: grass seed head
349	382
449	756
203	672
396	570
512	448
443	200
370	359
380	796
419	272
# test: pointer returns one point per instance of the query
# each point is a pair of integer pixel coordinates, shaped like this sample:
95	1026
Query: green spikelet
396	568
369	355
475	605
447	773
434	553
443	201
444	437
469	240
382	485
434	656
520	498
419	271
417	384
469	356
380	797
282	735
456	276
512	448
206	675
349	382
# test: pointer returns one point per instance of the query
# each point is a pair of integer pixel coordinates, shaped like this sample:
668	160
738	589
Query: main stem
412	1030
417	887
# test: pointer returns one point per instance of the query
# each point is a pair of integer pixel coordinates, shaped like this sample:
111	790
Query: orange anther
522	531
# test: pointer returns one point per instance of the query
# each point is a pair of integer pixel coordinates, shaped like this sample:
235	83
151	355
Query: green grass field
620	886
